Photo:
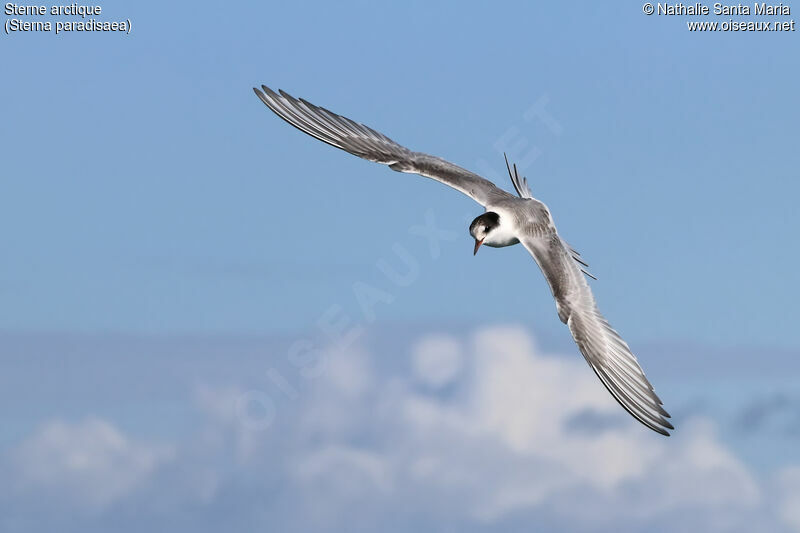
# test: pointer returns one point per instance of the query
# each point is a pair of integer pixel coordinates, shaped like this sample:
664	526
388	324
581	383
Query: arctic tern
507	220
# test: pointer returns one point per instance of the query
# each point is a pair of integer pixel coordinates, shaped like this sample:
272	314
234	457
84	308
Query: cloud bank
470	435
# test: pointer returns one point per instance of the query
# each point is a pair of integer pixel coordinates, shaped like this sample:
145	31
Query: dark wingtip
661	430
510	175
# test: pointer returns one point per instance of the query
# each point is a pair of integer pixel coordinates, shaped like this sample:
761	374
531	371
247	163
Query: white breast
505	234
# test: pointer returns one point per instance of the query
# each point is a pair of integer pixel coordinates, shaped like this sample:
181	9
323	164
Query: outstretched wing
604	350
367	143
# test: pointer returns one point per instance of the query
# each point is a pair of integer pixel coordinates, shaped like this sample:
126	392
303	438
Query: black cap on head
490	219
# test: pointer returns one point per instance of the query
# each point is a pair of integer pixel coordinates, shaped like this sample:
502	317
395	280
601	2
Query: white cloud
90	463
359	470
789	502
512	440
234	414
349	372
503	444
437	360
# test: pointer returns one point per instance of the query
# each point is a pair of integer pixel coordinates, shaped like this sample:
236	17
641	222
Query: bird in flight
507	220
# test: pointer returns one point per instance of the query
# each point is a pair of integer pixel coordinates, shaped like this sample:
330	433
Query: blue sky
160	224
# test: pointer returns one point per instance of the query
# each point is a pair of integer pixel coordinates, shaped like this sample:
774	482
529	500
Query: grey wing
604	350
369	144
